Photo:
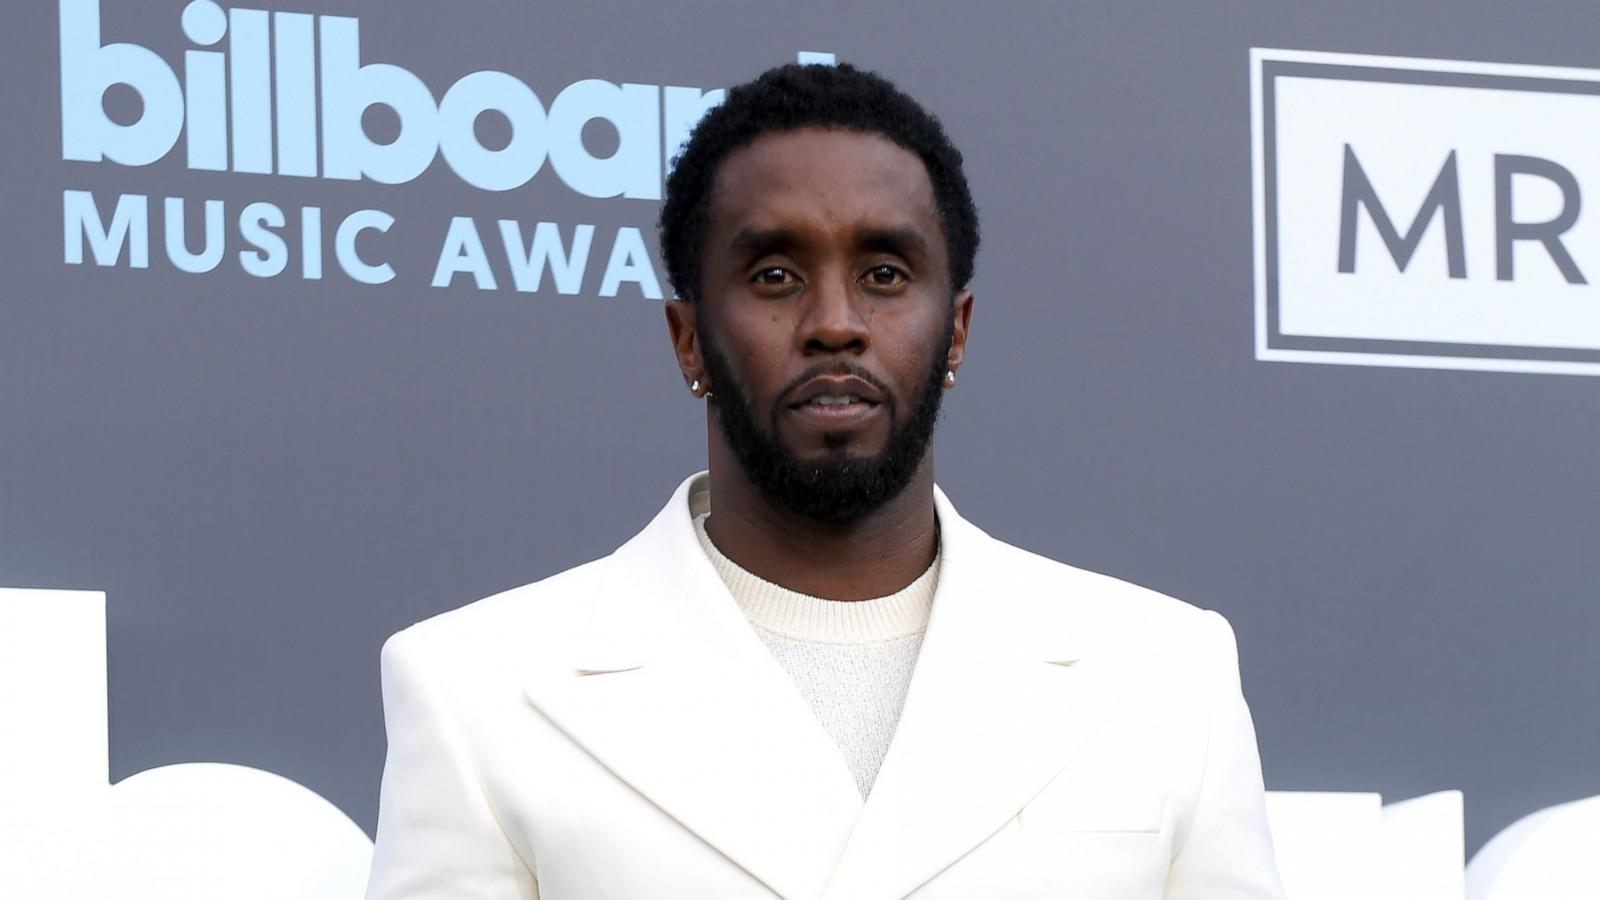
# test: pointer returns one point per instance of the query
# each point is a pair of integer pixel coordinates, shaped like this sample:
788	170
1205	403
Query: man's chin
814	444
832	493
839	470
835	469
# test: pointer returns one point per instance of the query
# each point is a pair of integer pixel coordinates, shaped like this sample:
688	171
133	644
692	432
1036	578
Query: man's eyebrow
753	243
903	241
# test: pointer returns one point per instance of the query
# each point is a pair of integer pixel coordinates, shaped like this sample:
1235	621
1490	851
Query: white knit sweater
851	660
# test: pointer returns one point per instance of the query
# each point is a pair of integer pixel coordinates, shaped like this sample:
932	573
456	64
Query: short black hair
797	96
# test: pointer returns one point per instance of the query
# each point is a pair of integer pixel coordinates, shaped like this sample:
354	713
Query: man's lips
829	390
835	402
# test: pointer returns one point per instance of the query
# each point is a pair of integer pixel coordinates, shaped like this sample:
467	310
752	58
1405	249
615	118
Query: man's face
825	322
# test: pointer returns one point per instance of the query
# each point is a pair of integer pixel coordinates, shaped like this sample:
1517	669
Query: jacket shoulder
519	620
1140	619
1109	592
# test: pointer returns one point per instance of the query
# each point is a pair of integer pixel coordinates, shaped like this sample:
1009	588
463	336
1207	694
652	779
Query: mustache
838	367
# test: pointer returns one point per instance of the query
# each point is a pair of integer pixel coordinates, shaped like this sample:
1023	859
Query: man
809	677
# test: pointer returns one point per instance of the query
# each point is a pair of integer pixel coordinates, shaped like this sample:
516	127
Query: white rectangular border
1260	55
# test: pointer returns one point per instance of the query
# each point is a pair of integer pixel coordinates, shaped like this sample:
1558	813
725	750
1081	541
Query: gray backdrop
269	476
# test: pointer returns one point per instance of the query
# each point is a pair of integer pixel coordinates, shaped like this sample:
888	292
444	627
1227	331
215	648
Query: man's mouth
835	412
834	402
835	390
835	399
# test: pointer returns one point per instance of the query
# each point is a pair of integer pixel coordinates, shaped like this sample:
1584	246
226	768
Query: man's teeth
834	399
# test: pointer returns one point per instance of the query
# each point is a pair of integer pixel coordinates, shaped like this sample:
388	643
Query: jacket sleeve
1227	852
438	838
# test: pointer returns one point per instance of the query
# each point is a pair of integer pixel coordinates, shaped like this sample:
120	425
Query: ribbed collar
796	615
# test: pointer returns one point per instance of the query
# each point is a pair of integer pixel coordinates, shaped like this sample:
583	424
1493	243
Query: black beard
831	491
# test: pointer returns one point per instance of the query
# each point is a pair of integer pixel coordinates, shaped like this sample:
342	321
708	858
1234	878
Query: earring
694	386
950	378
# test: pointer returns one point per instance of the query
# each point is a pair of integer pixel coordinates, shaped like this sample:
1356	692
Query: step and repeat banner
321	319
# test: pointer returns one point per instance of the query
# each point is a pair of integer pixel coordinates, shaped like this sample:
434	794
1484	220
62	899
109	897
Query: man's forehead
831	178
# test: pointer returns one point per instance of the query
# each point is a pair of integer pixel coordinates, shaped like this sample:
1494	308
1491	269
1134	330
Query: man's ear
685	340
958	335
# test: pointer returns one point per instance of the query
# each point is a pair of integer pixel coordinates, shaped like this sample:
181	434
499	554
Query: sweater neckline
801	616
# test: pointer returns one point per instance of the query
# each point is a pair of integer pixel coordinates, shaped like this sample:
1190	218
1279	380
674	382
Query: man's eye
885	276
774	276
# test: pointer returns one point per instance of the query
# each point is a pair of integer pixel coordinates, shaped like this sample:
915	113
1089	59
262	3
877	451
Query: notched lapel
672	691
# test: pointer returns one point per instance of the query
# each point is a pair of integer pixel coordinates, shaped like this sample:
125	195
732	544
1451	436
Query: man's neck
874	556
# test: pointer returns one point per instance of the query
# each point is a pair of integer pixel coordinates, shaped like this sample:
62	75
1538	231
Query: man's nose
834	318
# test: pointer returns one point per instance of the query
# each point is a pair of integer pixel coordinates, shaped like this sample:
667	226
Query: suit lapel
1003	695
672	690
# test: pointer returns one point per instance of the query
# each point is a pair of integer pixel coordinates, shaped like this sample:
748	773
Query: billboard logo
262	84
1424	213
264	92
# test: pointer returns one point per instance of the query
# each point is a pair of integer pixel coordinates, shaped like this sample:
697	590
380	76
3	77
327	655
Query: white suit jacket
619	732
